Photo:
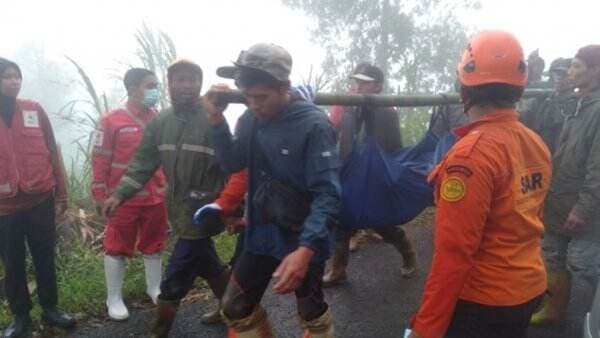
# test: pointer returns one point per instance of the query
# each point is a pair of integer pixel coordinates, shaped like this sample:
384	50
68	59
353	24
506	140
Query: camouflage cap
560	65
267	57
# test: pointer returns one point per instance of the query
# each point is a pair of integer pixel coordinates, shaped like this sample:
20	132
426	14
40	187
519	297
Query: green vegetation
80	270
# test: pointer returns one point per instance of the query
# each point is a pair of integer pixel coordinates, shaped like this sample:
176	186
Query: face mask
151	97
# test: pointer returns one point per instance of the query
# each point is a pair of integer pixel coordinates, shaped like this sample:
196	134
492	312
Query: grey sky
99	34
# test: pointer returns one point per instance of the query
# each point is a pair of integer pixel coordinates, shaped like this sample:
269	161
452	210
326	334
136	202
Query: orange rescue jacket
489	193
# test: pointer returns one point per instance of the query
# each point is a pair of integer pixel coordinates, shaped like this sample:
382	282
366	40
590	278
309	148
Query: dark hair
6	64
249	77
590	55
134	77
500	95
186	66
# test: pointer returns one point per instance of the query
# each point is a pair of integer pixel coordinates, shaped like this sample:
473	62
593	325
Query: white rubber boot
153	266
114	269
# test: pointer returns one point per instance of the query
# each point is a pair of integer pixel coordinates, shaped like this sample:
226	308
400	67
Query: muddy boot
165	315
554	307
321	327
409	258
336	273
217	285
256	325
212	317
372	236
355	242
409	264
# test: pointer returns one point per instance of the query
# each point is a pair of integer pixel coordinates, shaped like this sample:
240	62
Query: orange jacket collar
500	115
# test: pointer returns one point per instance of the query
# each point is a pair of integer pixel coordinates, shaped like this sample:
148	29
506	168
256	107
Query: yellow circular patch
453	189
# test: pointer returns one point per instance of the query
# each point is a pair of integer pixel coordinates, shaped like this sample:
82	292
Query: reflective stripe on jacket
115	142
177	141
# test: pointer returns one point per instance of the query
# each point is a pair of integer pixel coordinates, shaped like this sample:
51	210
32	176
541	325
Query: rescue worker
383	124
32	192
546	115
142	220
487	275
571	245
291	206
177	141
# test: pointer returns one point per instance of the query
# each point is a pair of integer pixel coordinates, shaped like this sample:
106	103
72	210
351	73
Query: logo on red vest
30	119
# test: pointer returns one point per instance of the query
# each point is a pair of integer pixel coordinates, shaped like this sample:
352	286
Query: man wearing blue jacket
289	148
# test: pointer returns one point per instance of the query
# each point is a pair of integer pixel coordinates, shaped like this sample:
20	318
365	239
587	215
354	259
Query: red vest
24	155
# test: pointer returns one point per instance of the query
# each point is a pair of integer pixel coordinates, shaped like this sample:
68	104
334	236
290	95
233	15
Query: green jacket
576	170
178	142
546	116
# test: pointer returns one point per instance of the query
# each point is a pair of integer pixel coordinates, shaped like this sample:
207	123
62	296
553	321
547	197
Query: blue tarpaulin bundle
382	189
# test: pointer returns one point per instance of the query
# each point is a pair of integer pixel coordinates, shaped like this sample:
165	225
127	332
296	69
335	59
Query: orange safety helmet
493	57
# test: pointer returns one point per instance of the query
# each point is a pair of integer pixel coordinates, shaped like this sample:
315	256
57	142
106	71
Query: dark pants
239	248
472	320
251	276
37	227
189	259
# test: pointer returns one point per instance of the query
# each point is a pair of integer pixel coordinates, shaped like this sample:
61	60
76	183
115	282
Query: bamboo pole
330	99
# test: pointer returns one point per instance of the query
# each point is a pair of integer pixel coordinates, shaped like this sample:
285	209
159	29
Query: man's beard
184	100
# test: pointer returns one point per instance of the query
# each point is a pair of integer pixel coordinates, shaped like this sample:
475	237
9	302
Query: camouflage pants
578	256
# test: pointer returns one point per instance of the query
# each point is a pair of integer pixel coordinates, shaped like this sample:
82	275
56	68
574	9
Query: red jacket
234	192
115	142
28	156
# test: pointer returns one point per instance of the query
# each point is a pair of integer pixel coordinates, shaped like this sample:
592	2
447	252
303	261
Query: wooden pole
330	99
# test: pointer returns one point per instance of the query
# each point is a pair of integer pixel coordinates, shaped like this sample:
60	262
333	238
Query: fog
99	35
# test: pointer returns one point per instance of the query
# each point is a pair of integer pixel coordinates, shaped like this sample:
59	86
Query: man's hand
234	225
99	205
214	109
292	270
574	222
110	205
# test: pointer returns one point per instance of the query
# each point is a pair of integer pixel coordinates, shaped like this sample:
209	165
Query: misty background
73	53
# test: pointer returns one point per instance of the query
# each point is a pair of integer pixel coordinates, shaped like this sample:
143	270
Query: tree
44	80
318	81
156	50
416	43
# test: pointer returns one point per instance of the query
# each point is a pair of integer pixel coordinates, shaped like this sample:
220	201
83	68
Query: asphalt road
377	301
